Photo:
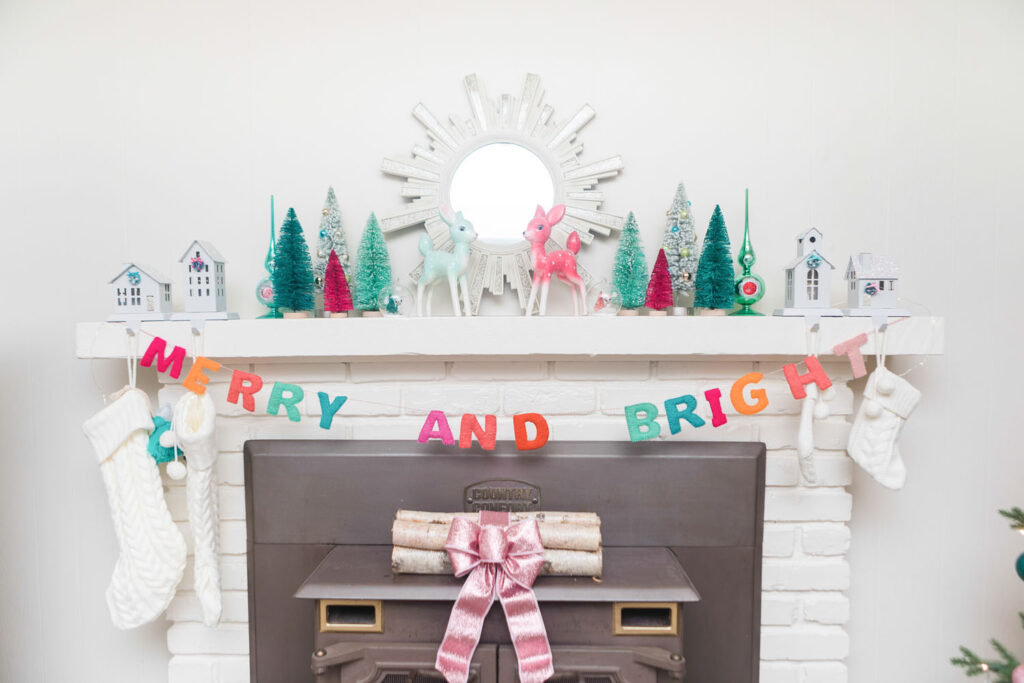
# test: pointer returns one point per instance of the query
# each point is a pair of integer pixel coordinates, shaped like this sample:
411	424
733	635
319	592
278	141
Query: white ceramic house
808	279
140	293
871	283
203	283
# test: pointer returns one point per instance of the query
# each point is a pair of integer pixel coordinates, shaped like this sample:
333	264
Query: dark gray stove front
319	518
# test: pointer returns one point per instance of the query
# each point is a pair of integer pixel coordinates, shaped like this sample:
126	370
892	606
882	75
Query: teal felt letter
673	413
328	408
647	427
289	401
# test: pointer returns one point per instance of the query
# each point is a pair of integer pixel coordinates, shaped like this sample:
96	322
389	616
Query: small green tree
716	282
373	267
629	274
293	271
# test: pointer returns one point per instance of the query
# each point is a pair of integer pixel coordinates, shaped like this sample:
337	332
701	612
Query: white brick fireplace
395	371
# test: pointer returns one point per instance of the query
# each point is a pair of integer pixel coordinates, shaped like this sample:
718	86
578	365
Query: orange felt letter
760	396
523	441
485	435
815	373
197	379
244	384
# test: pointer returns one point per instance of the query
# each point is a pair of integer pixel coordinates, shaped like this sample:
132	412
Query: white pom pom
872	409
167	439
176	470
886	385
821	410
829	393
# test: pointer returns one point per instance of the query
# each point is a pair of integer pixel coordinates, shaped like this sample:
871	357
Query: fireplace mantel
536	338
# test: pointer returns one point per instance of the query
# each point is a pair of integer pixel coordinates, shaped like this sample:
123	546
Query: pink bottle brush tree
659	288
337	296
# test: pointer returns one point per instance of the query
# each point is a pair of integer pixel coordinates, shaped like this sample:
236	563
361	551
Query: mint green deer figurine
443	264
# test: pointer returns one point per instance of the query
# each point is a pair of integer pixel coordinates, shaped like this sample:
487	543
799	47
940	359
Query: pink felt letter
714	398
244	384
485	435
851	349
436	427
156	350
815	373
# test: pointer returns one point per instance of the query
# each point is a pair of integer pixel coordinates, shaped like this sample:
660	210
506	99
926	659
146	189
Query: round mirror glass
498	187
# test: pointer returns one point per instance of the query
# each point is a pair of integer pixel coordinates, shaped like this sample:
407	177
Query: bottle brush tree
680	242
337	297
373	267
293	271
659	289
629	275
331	238
716	282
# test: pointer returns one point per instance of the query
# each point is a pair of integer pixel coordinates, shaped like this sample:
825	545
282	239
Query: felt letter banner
485	435
436	427
851	349
523	441
673	413
156	350
196	379
641	429
714	399
290	401
328	408
244	385
815	373
760	396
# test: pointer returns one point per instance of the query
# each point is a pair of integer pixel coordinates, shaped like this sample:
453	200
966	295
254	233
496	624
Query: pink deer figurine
561	263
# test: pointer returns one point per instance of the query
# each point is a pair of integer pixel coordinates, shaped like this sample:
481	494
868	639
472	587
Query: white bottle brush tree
331	238
680	246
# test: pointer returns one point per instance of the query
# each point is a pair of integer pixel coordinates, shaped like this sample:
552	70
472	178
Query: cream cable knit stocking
152	558
194	417
888	401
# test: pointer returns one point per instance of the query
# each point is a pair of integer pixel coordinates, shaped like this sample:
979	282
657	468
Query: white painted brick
778	672
778	610
808	643
397	371
827	609
728	432
805	574
401	428
588	428
727	371
781	469
779	540
192	669
826	672
602	370
233	432
615	396
829	435
234	607
365	399
233	574
453	398
825	539
231	468
300	372
190	638
832	470
232	669
219	394
795	505
494	370
550	399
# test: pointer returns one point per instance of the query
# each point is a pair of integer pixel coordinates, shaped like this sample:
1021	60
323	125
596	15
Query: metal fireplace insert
679	598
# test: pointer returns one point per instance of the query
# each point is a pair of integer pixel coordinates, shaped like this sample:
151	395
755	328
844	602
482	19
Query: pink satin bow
502	560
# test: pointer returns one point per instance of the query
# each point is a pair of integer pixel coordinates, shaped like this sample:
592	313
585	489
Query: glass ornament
265	291
603	299
396	301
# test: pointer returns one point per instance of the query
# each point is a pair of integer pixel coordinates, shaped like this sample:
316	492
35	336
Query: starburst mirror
495	167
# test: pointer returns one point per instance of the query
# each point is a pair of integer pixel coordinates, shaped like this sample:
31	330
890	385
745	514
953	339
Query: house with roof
872	286
140	293
203	278
809	279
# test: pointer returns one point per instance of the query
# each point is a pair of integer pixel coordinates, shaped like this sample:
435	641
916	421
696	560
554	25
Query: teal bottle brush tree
716	285
629	274
265	287
372	273
749	287
293	270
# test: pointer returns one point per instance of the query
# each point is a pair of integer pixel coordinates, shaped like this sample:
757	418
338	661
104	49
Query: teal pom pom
159	453
1020	566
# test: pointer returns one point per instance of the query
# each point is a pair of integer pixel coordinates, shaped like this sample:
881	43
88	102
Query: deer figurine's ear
556	213
446	214
539	213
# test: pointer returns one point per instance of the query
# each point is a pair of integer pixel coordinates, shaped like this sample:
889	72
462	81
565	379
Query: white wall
128	129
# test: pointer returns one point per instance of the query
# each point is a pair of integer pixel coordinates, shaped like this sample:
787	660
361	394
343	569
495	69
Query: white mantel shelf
513	337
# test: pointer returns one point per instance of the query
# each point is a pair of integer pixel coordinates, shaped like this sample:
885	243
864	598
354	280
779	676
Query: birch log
589	518
556	535
556	562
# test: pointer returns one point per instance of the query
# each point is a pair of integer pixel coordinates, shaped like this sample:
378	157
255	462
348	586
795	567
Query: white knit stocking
888	401
153	551
194	417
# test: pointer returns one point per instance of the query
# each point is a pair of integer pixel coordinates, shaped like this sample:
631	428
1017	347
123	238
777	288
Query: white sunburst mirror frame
525	121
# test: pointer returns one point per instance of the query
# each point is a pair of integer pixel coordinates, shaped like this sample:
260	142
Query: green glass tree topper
749	287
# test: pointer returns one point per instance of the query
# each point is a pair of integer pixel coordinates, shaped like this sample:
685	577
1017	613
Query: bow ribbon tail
525	625
465	624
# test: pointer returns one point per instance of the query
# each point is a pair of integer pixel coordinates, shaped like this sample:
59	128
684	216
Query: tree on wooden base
629	274
716	283
373	267
659	289
293	270
337	297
